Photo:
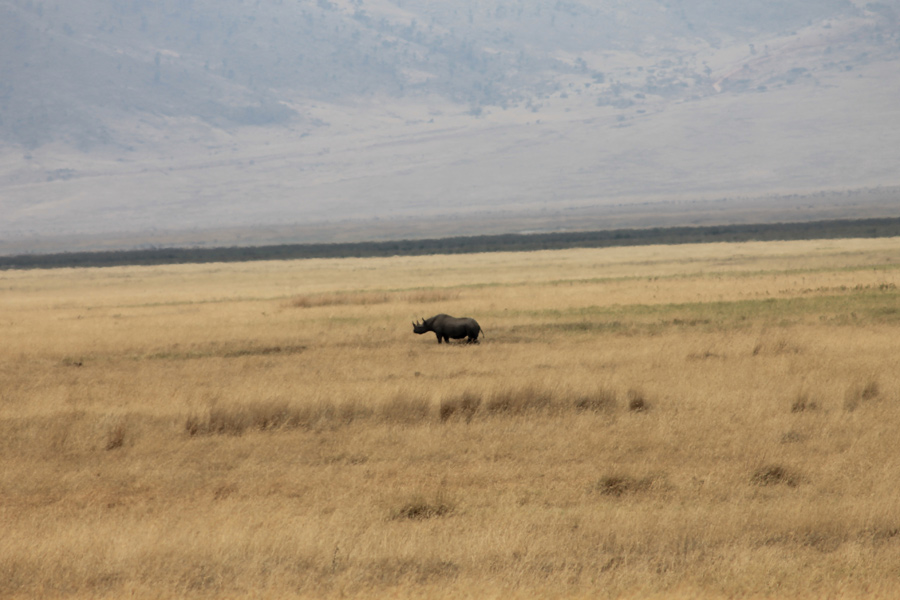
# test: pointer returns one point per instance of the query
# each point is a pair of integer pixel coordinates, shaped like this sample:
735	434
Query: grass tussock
519	401
116	435
803	403
603	400
773	474
462	407
793	437
637	401
618	485
777	347
420	509
858	394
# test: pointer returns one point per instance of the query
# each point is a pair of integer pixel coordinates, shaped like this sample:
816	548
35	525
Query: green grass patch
868	305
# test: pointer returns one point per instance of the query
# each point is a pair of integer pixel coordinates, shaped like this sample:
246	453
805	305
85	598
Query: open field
712	420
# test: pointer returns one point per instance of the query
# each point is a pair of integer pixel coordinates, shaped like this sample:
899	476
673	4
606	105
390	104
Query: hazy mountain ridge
121	116
232	62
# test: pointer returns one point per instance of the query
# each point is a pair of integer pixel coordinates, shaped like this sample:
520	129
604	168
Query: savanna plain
716	421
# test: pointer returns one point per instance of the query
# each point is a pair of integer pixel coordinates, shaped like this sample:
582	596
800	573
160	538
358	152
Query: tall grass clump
419	507
602	400
618	484
858	393
637	401
461	407
803	403
529	399
518	401
116	435
237	419
774	474
404	409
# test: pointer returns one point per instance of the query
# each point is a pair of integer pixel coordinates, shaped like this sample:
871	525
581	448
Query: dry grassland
713	421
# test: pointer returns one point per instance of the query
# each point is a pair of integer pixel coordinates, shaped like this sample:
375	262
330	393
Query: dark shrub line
841	228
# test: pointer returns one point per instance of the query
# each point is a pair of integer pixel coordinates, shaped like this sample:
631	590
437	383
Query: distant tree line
845	228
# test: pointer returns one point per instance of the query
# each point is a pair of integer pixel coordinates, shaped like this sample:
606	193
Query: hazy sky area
218	122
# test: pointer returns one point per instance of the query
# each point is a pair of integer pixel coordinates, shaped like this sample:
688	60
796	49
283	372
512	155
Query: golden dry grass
713	421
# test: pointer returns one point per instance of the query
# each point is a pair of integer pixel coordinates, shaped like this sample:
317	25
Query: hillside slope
193	115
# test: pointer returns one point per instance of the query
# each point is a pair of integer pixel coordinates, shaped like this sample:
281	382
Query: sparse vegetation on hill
234	63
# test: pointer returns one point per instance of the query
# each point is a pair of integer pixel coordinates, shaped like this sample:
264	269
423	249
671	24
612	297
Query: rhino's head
420	327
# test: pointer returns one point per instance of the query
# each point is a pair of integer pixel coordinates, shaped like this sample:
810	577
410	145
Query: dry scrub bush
77	431
620	485
603	400
115	437
420	508
793	437
773	474
802	403
463	407
519	401
637	401
859	393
